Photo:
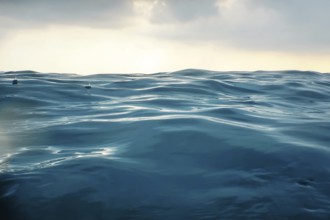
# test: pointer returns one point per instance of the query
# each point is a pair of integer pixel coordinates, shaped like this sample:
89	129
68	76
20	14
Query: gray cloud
291	25
295	25
182	10
111	13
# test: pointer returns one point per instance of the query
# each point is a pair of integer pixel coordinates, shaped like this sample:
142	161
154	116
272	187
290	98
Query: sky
148	36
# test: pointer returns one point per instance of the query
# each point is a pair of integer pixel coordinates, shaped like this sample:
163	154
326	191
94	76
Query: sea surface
191	144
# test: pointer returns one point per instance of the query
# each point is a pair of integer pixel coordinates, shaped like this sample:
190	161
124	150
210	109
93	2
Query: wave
191	144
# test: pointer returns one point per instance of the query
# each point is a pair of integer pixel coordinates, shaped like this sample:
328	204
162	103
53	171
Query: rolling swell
191	144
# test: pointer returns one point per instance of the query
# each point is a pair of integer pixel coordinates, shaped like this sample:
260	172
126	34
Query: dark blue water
191	144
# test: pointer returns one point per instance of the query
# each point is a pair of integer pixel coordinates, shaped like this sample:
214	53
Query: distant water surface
192	144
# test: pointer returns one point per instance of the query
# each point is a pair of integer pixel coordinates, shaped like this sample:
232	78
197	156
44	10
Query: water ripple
191	144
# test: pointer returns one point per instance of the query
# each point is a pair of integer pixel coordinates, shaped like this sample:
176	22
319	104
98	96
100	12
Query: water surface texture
191	144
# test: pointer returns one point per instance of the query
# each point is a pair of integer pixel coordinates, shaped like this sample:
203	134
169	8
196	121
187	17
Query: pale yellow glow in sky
87	51
144	36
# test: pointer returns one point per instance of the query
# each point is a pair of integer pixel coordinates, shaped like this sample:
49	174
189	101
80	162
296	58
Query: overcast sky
123	36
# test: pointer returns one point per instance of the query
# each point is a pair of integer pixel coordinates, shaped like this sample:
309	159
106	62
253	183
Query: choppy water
191	144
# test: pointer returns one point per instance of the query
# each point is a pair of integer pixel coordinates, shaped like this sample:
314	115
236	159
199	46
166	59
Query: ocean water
191	144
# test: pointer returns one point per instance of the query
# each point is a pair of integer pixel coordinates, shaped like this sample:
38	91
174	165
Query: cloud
299	26
164	11
300	23
97	13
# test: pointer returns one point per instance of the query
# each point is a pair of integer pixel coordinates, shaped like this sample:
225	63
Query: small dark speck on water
305	182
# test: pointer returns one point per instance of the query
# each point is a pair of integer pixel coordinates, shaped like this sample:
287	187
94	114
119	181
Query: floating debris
88	86
15	81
